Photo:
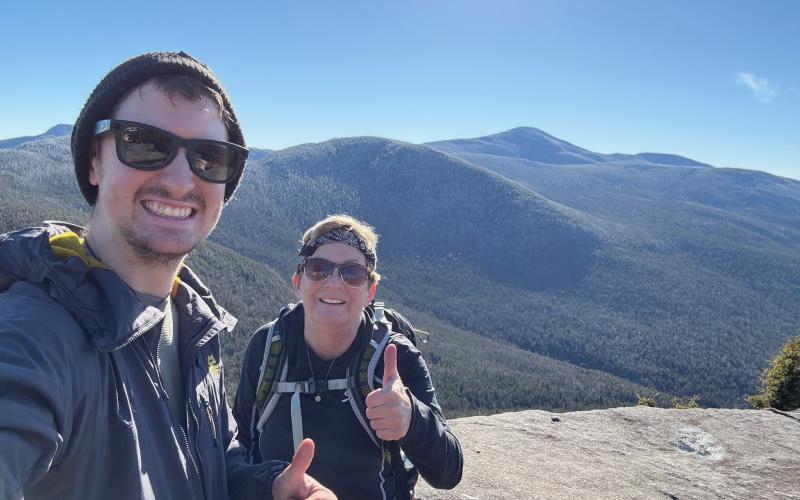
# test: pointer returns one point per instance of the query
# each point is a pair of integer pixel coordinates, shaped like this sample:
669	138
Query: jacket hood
54	259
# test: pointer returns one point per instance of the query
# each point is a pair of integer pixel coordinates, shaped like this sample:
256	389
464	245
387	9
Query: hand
294	484
389	408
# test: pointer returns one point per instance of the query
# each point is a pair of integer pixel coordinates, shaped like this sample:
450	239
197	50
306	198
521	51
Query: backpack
360	379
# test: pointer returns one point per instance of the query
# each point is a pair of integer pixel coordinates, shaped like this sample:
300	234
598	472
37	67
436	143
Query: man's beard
146	253
143	247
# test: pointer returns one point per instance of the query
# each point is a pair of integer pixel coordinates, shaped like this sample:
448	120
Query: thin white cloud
761	88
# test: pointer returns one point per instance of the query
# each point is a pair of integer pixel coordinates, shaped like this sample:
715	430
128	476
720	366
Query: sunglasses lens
318	269
144	147
215	162
150	148
353	274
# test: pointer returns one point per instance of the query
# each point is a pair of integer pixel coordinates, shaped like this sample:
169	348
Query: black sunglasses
353	275
145	147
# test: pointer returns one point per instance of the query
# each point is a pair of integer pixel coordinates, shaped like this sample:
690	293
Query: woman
305	375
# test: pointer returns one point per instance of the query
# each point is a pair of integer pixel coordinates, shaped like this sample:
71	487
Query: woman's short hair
362	230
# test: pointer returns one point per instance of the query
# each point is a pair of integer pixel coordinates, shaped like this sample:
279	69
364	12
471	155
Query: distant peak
669	159
525	131
532	133
59	130
533	144
526	143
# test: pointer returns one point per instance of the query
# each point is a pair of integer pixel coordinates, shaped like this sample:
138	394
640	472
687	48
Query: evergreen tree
780	382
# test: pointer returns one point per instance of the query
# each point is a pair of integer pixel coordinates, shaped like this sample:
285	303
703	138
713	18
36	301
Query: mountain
59	130
532	144
525	143
37	183
409	190
706	257
551	285
257	153
682	278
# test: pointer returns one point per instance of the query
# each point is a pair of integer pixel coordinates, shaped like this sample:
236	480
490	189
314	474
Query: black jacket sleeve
429	443
248	481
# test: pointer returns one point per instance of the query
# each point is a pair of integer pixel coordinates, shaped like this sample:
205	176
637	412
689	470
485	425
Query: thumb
390	373
301	460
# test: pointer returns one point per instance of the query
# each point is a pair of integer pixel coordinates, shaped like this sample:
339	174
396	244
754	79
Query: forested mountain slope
650	268
474	374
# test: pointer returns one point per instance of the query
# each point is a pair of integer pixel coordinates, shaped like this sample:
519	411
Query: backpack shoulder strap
273	370
361	373
405	474
373	353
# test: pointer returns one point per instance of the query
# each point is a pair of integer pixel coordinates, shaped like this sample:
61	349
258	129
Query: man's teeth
167	211
332	301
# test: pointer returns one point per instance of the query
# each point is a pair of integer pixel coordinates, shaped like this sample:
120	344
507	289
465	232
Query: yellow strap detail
175	285
69	244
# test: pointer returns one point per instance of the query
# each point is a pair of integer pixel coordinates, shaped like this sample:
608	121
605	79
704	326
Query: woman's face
332	303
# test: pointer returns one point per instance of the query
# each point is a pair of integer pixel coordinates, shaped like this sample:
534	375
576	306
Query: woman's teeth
331	301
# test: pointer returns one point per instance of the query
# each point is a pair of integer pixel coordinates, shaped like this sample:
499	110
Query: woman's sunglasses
145	147
318	270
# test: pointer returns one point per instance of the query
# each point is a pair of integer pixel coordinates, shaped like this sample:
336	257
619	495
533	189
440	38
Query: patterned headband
340	235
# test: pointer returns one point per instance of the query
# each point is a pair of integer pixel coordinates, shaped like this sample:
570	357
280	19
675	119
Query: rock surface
636	452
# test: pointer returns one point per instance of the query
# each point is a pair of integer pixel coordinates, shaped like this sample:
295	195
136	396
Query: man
111	383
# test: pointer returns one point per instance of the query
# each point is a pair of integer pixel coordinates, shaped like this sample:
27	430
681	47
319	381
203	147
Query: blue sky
717	81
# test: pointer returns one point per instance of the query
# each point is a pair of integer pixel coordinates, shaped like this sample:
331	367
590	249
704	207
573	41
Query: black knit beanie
116	84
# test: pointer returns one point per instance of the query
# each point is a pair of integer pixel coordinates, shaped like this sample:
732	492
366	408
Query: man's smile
164	210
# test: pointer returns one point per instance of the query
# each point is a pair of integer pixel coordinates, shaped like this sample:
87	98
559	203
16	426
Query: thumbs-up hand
389	408
294	484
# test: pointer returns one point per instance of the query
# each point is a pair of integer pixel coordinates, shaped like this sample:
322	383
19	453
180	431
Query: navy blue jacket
83	414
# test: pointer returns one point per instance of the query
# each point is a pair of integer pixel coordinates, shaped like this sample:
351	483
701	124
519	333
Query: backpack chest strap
313	386
305	387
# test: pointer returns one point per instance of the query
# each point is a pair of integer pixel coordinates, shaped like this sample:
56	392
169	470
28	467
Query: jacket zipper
202	332
211	416
197	426
175	423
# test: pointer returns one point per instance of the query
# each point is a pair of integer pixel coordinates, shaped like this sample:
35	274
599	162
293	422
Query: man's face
159	215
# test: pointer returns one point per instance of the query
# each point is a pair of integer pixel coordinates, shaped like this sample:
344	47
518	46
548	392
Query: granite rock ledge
636	452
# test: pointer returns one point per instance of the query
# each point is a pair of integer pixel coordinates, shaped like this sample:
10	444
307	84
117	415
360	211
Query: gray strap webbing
359	416
380	344
305	387
379	347
312	386
297	420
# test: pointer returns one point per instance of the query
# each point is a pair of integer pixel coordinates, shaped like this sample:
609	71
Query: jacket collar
53	257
